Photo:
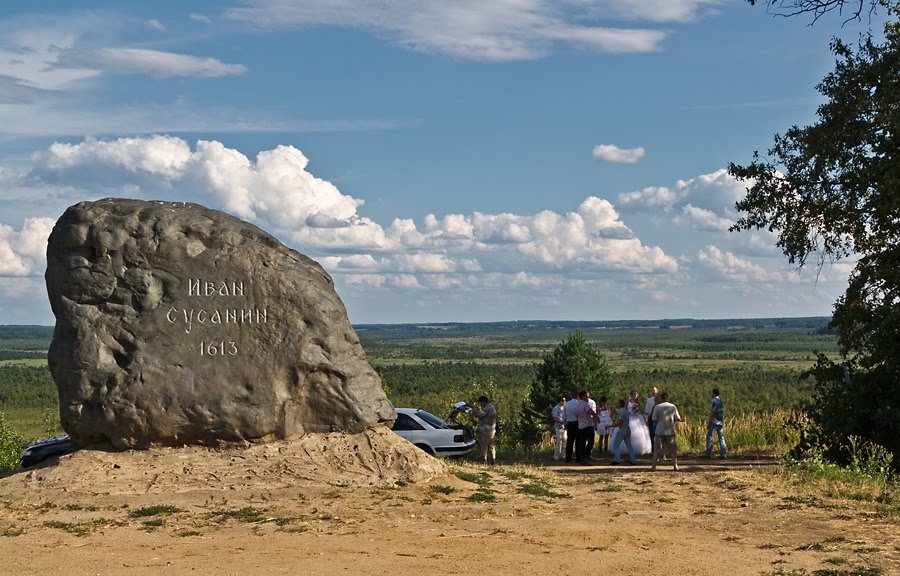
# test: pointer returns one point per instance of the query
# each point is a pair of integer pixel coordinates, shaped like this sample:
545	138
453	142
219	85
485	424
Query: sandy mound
375	457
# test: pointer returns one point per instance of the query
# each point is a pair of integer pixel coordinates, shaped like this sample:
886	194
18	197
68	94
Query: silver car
433	435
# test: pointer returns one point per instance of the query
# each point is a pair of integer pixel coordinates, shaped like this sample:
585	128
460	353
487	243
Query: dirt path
712	518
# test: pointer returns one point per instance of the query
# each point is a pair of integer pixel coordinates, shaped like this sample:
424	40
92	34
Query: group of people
580	420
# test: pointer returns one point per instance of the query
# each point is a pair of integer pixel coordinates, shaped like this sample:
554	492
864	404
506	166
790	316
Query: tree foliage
573	365
830	191
847	9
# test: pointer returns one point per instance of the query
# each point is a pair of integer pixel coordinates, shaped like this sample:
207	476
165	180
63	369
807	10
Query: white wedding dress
640	434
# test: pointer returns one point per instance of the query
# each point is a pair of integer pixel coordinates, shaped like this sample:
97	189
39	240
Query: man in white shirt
665	415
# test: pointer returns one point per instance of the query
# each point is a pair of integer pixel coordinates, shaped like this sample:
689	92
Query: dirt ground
311	509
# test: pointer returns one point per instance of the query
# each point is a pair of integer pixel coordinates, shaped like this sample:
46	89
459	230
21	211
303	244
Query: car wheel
426	448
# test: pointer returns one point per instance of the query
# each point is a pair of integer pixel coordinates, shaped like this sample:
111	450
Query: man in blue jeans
716	421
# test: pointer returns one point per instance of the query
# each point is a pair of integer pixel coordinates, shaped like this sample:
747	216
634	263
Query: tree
849	9
831	191
573	365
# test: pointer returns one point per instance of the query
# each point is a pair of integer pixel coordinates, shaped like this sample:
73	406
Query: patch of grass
480	478
247	515
482	496
768	546
834	539
867	549
80	529
836	561
854	571
541	491
284	521
157	510
610	488
187	533
12	531
518	475
440	489
783	572
152	524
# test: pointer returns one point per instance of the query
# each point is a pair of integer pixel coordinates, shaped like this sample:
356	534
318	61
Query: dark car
43	449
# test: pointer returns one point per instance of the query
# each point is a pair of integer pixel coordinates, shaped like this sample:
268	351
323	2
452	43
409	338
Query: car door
406	427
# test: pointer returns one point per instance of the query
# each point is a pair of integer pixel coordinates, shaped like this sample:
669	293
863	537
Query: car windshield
431	419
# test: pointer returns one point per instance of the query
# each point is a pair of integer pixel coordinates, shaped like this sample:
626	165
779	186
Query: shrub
11	445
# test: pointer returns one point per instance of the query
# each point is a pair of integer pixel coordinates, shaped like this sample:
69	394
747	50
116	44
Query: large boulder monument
177	324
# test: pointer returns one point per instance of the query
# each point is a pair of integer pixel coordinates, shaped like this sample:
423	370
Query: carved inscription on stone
208	313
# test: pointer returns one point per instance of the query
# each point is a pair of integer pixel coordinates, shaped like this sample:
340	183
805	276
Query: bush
11	445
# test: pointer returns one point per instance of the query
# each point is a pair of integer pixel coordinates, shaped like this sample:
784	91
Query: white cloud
696	218
155	24
730	267
23	251
490	31
277	191
650	199
704	203
612	153
154	63
200	18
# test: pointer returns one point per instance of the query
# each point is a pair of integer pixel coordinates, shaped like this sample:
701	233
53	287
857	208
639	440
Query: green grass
247	515
152	524
482	495
480	478
541	491
157	510
439	489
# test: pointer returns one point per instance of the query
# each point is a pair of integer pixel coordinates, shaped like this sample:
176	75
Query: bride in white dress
640	434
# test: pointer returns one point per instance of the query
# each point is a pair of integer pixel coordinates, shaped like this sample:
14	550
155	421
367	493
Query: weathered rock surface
177	324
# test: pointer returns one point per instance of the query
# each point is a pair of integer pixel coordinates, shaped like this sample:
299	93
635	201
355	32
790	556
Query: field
256	510
756	363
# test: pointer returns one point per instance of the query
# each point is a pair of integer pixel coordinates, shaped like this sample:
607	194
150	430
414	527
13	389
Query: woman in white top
604	423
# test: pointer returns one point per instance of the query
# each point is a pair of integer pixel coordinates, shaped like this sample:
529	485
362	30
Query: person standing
571	425
487	429
715	425
648	412
594	419
559	428
586	416
623	434
665	415
640	434
604	423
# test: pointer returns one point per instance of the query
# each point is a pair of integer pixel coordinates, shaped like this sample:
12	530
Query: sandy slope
327	507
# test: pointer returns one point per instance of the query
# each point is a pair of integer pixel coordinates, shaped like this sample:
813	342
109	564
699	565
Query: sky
445	161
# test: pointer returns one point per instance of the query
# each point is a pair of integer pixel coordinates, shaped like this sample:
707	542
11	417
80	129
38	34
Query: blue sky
444	161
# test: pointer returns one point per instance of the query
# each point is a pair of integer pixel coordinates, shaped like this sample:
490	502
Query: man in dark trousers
571	425
586	417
